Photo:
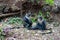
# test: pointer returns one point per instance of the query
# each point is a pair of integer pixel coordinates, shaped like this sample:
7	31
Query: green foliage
50	2
47	15
14	20
34	18
44	15
40	13
2	36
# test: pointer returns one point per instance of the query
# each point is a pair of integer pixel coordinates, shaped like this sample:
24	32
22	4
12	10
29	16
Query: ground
25	34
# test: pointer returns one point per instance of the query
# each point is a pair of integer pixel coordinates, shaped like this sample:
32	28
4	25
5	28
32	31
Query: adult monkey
41	24
27	20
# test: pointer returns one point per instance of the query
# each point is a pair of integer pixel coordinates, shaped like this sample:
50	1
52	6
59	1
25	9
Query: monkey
40	25
27	20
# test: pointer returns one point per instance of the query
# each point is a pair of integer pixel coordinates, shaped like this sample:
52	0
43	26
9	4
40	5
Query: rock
11	38
28	31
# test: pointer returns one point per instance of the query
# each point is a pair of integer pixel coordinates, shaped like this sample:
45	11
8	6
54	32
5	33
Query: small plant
14	20
34	19
40	13
47	15
50	2
2	35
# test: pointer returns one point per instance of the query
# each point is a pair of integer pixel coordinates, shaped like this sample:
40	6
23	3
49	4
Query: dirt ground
25	34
